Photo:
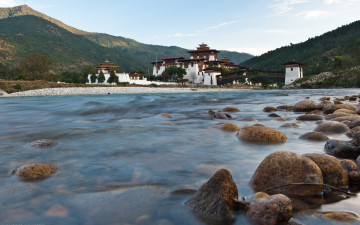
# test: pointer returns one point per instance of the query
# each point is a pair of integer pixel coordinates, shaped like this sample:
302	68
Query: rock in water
332	127
35	171
43	143
227	127
271	210
305	105
270	109
281	168
258	134
314	136
329	108
342	217
231	109
333	172
215	197
342	149
310	117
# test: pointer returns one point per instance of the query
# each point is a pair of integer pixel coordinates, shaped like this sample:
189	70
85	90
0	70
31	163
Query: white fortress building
196	67
293	71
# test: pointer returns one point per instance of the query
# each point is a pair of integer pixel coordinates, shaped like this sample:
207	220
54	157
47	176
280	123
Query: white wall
292	73
210	78
123	77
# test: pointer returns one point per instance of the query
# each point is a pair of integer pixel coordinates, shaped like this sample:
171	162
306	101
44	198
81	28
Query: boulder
333	172
270	109
282	168
310	117
336	115
357	111
347	106
305	105
346	118
325	98
259	195
227	127
314	136
34	172
43	143
342	217
354	177
322	104
221	116
260	134
316	111
290	125
280	119
273	115
338	101
231	109
345	111
211	112
247	119
329	108
353	124
215	197
342	149
332	127
353	131
356	139
353	98
348	165
285	107
271	210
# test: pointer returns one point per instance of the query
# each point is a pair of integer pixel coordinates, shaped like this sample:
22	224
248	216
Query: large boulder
215	197
305	105
333	172
342	149
283	168
270	210
259	134
314	136
332	127
310	117
34	172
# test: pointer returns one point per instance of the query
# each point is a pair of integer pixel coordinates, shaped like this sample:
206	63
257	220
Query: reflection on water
118	160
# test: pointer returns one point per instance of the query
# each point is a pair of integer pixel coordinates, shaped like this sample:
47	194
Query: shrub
17	86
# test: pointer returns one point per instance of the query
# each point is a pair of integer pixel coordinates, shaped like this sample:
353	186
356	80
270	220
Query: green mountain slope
24	35
317	53
143	52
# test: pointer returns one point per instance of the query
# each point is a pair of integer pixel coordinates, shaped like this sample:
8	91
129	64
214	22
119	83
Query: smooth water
118	160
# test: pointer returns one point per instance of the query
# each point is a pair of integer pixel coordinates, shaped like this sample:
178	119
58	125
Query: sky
251	26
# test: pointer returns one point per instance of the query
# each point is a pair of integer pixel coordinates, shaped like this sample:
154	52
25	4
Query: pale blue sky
253	26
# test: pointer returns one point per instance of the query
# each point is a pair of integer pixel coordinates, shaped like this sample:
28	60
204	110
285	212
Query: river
118	160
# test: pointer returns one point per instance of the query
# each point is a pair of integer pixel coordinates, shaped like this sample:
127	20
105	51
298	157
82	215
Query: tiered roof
107	65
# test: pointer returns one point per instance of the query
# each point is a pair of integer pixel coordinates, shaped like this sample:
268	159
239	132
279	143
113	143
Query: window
292	69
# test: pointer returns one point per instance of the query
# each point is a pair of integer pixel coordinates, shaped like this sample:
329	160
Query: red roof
203	51
191	60
293	63
172	58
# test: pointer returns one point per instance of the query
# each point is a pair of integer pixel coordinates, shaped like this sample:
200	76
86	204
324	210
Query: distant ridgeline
24	31
318	54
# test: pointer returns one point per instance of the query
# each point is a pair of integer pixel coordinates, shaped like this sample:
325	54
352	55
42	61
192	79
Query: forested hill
24	35
317	53
144	53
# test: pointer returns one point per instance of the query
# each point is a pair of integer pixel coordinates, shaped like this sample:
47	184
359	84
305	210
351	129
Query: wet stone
346	118
342	149
343	217
290	125
332	127
221	116
354	123
270	109
354	177
314	136
229	127
306	105
347	106
261	134
165	115
43	143
34	172
330	108
285	107
348	165
231	109
310	117
273	115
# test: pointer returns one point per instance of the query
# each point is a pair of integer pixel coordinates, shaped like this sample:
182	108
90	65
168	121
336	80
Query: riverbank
111	90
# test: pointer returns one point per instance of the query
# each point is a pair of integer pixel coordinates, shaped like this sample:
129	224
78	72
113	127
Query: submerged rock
231	109
305	105
310	117
260	134
215	197
333	172
280	119
353	131
270	210
325	98
290	125
35	171
343	217
282	168
222	116
270	109
285	107
165	115
332	127
314	136
342	149
273	115
43	143
211	112
227	127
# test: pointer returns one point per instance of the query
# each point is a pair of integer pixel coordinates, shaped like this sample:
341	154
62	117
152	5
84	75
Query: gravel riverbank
110	90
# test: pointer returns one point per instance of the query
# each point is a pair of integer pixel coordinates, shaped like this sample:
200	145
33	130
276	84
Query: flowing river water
118	160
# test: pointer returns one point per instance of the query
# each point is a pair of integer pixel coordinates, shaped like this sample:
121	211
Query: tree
113	78
176	73
193	77
165	76
86	70
93	78
36	66
338	62
101	77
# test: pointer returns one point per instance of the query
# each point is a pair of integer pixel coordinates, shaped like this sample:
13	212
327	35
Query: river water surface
118	160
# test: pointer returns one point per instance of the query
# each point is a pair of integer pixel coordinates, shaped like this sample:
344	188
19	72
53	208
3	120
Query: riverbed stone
165	115
280	119
357	111
221	116
310	117
342	149
259	195
348	165
332	127
354	177
356	138
35	171
281	168
347	111
273	115
347	118
305	105
353	131
325	98
231	109
330	108
314	136
353	124
347	106
333	172
285	107
259	134
353	98
211	112
342	217
215	197
270	109
336	115
43	143
271	210
290	125
227	127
